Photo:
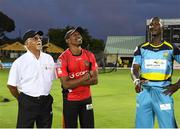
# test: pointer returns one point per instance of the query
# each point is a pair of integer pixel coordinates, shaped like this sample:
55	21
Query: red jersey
75	67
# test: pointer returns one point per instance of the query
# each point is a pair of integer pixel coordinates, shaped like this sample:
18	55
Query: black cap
31	34
71	31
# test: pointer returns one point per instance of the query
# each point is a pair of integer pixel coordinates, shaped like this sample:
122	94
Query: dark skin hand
13	91
138	87
171	89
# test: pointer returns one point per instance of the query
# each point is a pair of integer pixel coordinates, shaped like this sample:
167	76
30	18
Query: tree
97	45
6	24
56	36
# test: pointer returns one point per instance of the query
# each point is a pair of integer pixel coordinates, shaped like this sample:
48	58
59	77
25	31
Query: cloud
100	17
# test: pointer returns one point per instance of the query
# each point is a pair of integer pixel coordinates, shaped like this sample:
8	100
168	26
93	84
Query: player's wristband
136	81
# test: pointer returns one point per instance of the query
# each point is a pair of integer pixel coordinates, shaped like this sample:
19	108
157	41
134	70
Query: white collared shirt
32	76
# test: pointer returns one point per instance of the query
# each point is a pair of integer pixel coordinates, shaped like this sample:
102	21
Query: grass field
113	101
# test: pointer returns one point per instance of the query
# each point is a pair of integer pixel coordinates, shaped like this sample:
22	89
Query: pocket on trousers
140	97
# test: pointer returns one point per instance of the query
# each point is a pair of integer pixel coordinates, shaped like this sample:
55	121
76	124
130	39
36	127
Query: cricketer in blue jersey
151	72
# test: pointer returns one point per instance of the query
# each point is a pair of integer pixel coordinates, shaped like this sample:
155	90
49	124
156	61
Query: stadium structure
171	30
119	49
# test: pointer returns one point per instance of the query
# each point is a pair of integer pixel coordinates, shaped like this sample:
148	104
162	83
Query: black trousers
34	109
82	109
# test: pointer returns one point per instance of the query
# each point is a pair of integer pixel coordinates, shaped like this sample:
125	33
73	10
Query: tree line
55	35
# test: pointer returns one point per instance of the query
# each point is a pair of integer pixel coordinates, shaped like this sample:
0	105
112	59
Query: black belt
41	97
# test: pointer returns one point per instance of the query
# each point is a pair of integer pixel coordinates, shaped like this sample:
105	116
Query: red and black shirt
75	67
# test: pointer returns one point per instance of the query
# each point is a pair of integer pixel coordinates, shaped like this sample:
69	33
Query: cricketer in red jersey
77	70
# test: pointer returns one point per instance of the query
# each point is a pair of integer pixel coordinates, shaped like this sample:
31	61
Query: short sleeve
94	66
61	68
13	78
137	56
51	60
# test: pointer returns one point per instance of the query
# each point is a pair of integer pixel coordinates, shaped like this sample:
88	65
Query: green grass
113	101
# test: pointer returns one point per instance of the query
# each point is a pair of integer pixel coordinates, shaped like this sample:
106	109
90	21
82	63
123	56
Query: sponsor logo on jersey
165	54
59	63
158	62
48	67
73	75
155	64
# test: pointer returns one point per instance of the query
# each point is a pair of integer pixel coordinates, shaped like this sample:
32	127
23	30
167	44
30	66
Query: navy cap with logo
31	34
71	31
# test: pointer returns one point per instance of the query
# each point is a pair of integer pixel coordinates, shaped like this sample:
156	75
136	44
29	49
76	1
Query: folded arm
87	79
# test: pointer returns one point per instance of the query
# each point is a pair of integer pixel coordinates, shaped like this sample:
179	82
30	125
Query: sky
102	18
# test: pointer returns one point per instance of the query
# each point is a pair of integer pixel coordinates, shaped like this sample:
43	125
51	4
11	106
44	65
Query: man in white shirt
30	81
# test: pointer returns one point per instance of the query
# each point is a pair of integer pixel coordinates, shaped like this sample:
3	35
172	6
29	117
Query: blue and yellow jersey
156	62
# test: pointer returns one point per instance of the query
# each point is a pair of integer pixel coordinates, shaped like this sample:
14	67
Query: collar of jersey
157	45
76	55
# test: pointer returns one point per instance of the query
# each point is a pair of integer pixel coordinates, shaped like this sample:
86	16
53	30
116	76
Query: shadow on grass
4	100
